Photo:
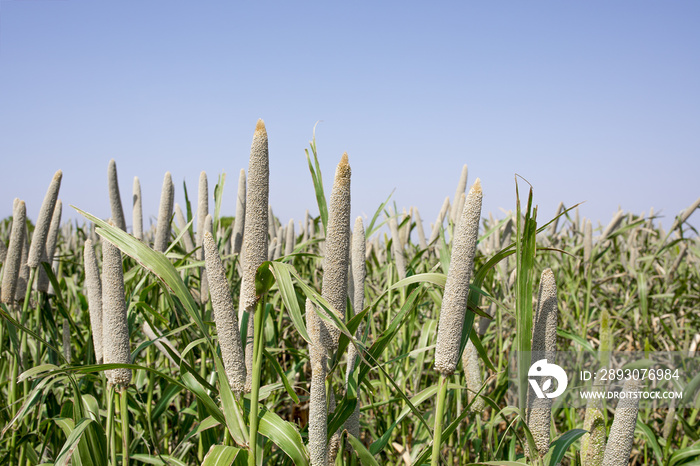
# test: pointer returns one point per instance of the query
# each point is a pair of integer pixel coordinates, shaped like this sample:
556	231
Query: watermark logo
542	372
570	379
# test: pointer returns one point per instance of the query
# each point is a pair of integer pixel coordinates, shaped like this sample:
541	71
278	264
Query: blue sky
589	101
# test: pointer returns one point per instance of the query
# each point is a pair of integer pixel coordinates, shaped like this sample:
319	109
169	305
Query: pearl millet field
234	338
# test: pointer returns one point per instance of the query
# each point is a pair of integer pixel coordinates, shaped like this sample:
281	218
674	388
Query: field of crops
250	339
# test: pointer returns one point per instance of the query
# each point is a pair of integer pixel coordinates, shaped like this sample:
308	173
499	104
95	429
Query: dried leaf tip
260	127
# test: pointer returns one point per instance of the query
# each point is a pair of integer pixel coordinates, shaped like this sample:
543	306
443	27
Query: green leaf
289	297
322	305
162	460
317	179
189	347
498	463
387	336
285	435
185	230
690	389
195	387
438	279
371	228
683	454
345	409
558	448
74	435
691	431
93	406
417	399
32	399
352	325
167	394
153	261
264	279
653	442
14	324
427	450
282	375
578	339
221	455
643	292
476	341
525	260
206	424
233	411
365	456
369	359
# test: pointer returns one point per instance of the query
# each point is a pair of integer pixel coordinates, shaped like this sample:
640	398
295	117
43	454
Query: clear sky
595	101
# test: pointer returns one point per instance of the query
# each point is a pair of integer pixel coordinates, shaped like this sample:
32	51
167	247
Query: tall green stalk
439	416
14	396
258	345
124	414
111	441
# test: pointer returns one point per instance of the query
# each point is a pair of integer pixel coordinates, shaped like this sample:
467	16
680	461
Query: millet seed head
472	371
137	214
115	200
359	272
182	224
93	284
202	210
544	330
621	436
37	250
318	412
238	226
454	301
165	213
13	260
334	286
256	216
593	443
42	281
255	232
544	339
225	316
115	328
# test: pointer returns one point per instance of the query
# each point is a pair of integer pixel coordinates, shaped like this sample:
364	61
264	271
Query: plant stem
22	455
125	426
13	402
28	293
439	415
111	441
14	396
149	396
257	363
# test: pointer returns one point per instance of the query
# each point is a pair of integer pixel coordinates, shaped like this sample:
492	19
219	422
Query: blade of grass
317	179
525	259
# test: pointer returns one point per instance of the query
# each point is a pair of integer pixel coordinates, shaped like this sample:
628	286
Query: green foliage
226	222
181	410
